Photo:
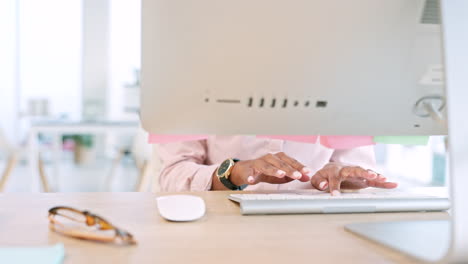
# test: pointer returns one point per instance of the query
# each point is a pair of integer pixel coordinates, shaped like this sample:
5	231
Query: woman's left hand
335	176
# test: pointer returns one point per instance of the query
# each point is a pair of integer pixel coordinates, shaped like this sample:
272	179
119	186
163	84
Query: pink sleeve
360	156
183	166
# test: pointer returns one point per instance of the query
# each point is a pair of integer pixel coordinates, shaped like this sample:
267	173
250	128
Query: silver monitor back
326	67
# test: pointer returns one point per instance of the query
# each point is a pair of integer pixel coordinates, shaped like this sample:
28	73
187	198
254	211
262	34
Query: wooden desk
222	236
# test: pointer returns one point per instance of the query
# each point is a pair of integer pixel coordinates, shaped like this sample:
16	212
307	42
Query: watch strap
229	184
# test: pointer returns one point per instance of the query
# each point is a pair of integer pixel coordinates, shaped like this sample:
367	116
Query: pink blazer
189	165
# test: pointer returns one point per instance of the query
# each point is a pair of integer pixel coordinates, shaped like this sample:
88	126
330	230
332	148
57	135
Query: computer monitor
299	67
290	67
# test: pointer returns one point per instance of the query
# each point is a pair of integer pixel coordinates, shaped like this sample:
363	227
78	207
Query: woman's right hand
275	168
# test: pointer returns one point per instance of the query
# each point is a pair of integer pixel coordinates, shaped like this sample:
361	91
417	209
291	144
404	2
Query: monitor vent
264	102
431	12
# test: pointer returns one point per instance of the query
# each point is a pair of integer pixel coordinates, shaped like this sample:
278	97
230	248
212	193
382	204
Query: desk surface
222	236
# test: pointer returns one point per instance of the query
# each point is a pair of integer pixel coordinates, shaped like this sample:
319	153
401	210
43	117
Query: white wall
8	109
71	53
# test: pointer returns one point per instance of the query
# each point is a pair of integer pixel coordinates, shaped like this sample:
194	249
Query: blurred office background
69	85
69	65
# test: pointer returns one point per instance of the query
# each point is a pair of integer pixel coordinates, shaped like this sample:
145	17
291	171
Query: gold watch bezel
227	173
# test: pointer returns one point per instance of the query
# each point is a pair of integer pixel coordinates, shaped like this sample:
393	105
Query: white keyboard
355	202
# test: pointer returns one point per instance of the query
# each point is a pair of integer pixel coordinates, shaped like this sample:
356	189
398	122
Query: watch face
224	167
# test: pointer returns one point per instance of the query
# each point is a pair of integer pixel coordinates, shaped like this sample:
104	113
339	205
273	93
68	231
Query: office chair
140	152
14	153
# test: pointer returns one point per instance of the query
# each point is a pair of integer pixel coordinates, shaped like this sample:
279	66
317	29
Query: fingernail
306	171
323	185
250	179
335	193
373	174
297	175
280	173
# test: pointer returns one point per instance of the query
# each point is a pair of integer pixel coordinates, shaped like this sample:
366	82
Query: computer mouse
181	207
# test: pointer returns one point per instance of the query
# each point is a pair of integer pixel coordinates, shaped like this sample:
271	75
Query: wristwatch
224	171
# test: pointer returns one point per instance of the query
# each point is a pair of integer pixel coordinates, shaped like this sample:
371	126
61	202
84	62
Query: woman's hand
335	176
272	168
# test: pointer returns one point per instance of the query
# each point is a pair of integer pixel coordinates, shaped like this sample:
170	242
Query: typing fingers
283	166
354	184
358	172
269	179
334	182
333	177
320	180
263	171
305	171
353	176
264	167
384	185
380	177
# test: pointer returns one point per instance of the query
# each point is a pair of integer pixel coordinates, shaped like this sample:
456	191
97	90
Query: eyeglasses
85	225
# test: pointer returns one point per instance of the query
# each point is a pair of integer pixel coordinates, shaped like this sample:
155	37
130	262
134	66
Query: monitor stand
426	240
434	240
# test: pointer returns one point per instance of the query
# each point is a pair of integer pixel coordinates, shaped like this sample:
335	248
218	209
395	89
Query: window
50	55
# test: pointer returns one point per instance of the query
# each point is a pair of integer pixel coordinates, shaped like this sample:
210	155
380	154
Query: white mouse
181	208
